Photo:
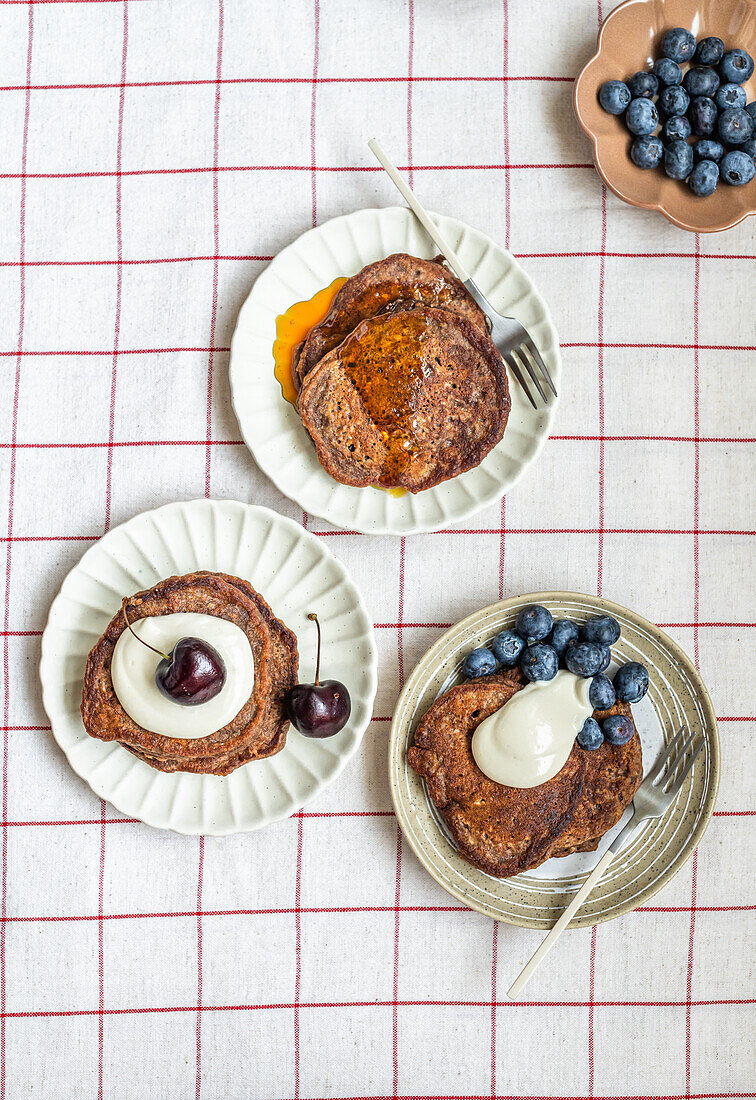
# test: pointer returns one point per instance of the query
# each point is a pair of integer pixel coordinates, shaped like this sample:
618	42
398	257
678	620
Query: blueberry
735	126
730	95
749	147
737	168
700	81
584	658
540	662
614	96
704	178
565	630
751	110
606	659
534	623
676	128
617	729
631	682
736	67
647	152
707	149
678	44
703	115
602	629
507	647
668	72
601	693
641	117
674	100
479	662
590	736
678	160
643	84
709	51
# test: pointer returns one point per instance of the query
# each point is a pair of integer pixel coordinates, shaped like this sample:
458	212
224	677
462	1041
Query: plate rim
46	658
360	526
690	844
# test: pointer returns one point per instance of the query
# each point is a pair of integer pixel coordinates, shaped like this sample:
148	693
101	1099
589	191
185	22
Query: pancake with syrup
410	398
397	278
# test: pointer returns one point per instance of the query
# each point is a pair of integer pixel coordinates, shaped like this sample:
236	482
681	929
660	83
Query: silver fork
513	341
654	796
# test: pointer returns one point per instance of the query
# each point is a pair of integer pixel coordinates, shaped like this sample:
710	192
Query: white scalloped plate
270	425
296	574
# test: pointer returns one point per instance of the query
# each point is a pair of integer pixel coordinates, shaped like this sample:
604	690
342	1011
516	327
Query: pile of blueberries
707	103
538	644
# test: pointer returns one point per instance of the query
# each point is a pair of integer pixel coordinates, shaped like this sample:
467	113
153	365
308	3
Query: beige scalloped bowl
628	42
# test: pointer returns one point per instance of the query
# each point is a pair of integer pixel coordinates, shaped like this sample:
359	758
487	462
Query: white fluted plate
271	427
296	574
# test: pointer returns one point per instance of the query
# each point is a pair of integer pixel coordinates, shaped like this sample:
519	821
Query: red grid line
494	966
216	350
297	950
326	910
323	814
330	168
288	1005
80	445
199	1006
730	256
216	248
101	955
468	531
566	531
288	80
11	505
400	616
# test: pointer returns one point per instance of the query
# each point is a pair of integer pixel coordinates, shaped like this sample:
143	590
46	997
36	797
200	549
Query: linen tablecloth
155	154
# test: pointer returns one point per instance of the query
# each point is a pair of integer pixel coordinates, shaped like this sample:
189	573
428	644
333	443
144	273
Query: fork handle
420	213
548	942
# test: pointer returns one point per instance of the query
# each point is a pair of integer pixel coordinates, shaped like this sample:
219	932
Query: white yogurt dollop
133	673
527	741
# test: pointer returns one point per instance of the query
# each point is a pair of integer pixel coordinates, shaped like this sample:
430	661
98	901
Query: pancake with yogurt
256	731
505	830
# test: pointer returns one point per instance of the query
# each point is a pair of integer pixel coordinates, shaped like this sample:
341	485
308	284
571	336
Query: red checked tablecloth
154	155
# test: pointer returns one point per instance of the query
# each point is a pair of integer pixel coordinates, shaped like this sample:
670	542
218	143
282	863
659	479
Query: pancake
506	830
398	277
408	400
257	731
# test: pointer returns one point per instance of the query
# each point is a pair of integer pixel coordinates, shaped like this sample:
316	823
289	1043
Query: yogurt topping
527	741
133	673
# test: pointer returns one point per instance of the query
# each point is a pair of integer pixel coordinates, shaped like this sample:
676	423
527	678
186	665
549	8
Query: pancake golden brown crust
378	286
408	400
507	830
257	731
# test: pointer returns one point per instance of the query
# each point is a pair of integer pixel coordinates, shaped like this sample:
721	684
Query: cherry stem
313	618
165	656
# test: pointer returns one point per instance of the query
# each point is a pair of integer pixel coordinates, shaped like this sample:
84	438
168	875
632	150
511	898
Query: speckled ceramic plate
535	899
271	427
296	574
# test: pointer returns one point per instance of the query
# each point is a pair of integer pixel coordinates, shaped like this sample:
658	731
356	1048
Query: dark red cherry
192	673
319	710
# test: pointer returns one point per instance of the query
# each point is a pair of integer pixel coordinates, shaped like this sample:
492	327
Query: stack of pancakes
258	730
400	384
506	830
